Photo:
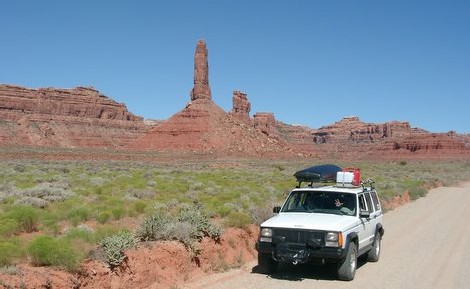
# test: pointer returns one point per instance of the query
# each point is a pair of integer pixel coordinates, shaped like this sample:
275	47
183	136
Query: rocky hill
77	117
350	136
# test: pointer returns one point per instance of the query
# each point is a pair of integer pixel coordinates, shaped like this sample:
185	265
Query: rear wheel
347	267
374	253
266	264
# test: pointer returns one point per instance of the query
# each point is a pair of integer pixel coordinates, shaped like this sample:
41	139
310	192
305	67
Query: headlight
334	239
331	237
266	235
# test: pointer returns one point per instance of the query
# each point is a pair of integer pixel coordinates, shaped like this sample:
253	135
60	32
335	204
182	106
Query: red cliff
77	117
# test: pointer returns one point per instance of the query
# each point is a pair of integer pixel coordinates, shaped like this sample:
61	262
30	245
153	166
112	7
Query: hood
311	221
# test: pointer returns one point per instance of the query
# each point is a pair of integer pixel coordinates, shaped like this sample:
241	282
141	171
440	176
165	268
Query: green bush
9	251
8	227
105	231
47	251
50	224
118	213
78	215
115	245
154	227
26	217
197	216
103	217
190	226
238	220
80	233
140	206
417	192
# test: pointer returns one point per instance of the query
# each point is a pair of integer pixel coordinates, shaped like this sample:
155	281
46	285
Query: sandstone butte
84	118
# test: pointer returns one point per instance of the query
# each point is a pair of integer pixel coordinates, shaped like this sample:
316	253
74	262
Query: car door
366	233
374	213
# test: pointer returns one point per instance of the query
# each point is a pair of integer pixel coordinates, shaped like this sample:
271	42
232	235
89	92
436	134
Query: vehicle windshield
321	202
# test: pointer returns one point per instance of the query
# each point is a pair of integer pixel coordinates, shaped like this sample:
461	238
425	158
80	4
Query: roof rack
317	174
324	175
369	182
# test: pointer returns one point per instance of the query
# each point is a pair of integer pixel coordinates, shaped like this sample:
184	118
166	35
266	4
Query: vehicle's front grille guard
298	237
295	245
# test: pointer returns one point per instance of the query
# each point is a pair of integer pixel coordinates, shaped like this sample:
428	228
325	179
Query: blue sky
310	62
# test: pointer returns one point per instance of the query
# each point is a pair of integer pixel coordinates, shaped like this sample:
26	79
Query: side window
362	203
375	200
369	203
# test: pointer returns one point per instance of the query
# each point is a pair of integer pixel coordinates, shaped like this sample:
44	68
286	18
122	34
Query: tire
347	267
374	254
266	264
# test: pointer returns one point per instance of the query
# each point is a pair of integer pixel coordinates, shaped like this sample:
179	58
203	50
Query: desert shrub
183	232
417	192
81	239
43	194
50	224
142	194
20	168
97	181
105	231
77	215
8	227
26	217
198	217
82	233
238	220
115	245
7	190
103	217
9	251
118	213
262	211
155	227
139	207
47	251
31	202
190	226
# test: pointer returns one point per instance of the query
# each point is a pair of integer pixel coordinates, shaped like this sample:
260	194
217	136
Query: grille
299	236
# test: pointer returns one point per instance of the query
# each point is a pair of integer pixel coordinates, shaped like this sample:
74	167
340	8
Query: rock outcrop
265	122
352	137
241	106
201	89
77	117
202	126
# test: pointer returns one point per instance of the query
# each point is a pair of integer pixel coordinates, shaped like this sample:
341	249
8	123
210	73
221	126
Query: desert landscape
94	196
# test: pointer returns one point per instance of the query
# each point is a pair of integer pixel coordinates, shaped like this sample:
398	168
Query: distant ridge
82	117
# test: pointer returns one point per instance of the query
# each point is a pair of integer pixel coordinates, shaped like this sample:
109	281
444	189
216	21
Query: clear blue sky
309	62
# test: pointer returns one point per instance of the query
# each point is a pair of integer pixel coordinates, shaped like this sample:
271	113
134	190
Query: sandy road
426	245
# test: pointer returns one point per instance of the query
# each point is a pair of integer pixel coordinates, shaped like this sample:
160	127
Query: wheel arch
379	229
352	237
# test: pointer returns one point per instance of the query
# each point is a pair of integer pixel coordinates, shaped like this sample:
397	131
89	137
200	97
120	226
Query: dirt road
426	245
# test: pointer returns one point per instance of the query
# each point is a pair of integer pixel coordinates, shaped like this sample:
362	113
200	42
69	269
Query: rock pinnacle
201	89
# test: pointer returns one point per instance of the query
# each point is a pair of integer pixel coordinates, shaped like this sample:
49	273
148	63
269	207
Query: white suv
323	224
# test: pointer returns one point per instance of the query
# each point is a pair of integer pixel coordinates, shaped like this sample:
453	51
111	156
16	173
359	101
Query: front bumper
297	253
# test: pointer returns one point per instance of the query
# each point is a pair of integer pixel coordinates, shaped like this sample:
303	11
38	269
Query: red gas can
357	175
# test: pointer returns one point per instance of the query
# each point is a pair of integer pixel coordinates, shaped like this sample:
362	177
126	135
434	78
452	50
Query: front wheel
266	264
347	267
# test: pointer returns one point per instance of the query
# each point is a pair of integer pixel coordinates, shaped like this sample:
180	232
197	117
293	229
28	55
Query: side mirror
276	209
364	214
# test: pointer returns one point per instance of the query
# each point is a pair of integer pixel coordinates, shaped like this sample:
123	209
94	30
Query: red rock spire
201	89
